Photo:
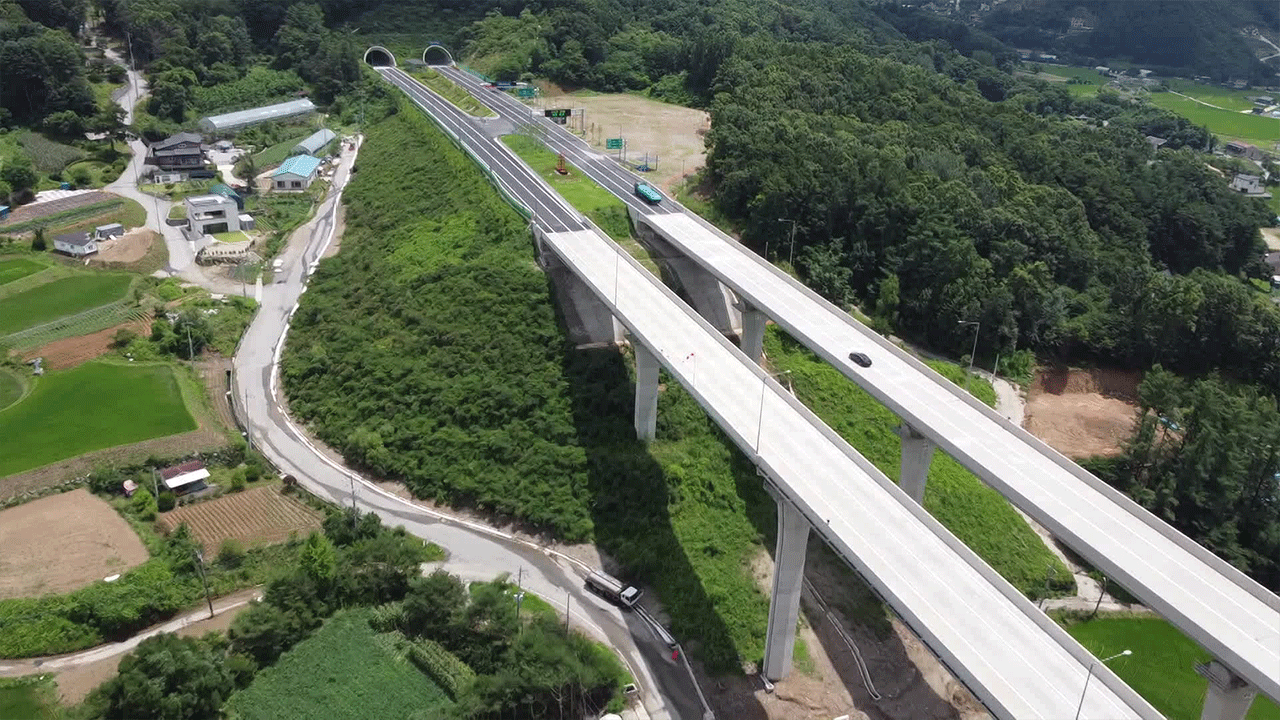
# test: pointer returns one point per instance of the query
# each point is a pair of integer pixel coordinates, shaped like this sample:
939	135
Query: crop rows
89	321
261	516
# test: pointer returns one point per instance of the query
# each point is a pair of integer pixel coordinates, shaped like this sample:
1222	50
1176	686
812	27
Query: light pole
1090	676
764	382
977	328
791	257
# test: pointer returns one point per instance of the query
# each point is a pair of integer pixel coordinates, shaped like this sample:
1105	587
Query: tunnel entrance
379	56
436	54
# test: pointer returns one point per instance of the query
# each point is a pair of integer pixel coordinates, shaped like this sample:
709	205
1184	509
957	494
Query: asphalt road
475	551
1222	609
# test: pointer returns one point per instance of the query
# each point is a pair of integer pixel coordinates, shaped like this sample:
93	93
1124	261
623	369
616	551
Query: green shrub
82	177
144	504
442	666
237	479
166	501
231	554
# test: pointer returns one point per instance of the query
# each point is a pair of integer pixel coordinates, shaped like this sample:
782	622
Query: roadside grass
17	268
93	406
1162	666
278	212
580	191
1255	129
29	698
60	298
1216	95
277	153
342	672
975	513
446	88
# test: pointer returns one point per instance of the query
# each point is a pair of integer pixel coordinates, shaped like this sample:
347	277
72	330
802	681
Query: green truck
648	193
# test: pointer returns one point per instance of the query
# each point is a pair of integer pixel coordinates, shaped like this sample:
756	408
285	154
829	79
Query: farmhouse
245	118
1249	185
75	244
211	214
314	144
296	173
185	478
183	151
1243	150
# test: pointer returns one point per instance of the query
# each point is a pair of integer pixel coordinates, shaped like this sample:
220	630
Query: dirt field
130	247
27	213
1082	413
1272	237
673	133
70	352
261	516
63	542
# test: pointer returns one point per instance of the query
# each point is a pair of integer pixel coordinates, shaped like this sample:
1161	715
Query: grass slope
975	513
277	153
445	88
1162	667
91	407
1256	129
602	206
11	270
429	350
10	388
341	672
60	298
28	698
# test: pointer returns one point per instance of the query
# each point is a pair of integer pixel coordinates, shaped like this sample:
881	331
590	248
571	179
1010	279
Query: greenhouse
245	118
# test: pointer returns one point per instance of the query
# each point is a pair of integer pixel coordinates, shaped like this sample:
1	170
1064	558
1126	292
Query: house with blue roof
295	174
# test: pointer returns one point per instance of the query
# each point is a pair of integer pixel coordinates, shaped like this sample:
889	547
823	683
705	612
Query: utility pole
200	564
191	355
568	600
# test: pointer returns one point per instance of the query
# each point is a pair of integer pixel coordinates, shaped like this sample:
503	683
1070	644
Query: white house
296	173
210	214
1249	185
106	232
76	244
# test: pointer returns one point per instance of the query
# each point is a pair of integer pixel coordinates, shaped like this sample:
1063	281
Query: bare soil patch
1083	413
69	352
63	542
1271	236
35	211
672	135
253	518
127	248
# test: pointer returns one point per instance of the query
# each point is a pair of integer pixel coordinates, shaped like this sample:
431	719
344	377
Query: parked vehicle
613	589
648	193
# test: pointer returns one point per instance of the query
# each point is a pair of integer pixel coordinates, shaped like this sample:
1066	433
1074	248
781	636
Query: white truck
613	589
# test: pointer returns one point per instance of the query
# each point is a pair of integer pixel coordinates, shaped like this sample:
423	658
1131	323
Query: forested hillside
1172	37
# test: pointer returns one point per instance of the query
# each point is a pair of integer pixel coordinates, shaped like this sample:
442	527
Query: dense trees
1205	456
41	68
167	678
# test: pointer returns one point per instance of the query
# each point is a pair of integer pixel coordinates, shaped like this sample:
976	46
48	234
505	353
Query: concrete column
751	341
1228	696
917	454
788	575
646	392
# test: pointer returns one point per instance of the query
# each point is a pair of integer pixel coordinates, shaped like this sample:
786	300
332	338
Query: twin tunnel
434	54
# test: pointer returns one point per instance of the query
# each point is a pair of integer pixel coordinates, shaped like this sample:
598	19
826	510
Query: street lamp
791	257
764	382
977	328
1090	676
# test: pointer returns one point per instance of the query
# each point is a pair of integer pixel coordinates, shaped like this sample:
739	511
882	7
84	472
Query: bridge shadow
631	496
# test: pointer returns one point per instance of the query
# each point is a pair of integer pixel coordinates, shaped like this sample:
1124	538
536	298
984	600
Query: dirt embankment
1083	412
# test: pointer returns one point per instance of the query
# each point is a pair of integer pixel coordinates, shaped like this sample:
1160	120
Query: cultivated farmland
63	542
60	298
340	673
1228	123
11	270
262	516
94	406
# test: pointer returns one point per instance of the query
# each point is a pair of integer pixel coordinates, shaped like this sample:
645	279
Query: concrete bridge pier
788	576
1228	696
646	392
588	320
917	455
751	341
699	288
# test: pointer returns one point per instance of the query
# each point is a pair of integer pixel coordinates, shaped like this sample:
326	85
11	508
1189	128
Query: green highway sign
558	113
526	92
613	144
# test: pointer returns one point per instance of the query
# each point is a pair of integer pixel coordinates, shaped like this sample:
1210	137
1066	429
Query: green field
342	672
11	270
10	388
446	88
975	513
1162	666
60	298
1216	95
28	698
1256	129
277	153
91	407
1092	79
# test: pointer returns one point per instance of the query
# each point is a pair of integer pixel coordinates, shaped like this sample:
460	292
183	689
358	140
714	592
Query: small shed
314	144
247	222
75	244
185	478
4	211
106	232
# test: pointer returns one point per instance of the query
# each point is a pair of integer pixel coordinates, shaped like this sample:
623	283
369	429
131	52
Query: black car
860	359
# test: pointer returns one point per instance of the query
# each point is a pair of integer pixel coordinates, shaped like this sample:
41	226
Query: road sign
613	144
526	92
557	113
505	84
